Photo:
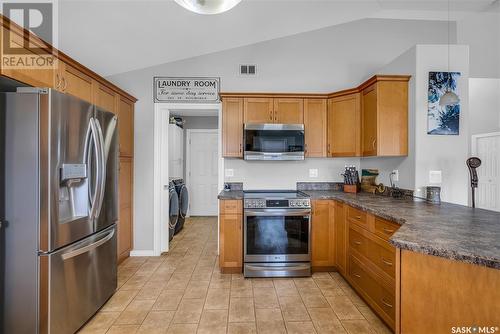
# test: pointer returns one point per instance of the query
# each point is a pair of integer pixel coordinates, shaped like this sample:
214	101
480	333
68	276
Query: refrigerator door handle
102	167
90	247
95	197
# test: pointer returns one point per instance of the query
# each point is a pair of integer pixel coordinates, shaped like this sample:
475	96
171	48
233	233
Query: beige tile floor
184	292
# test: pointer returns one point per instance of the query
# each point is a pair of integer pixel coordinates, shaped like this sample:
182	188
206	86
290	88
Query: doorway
163	112
202	171
487	148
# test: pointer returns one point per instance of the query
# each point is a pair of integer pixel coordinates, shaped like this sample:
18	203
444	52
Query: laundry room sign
192	90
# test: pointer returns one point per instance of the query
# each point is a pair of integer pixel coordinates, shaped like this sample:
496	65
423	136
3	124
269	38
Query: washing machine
173	210
182	192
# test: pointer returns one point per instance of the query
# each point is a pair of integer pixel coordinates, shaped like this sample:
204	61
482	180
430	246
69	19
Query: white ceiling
119	36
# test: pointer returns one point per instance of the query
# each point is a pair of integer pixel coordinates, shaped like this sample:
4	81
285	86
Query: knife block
351	188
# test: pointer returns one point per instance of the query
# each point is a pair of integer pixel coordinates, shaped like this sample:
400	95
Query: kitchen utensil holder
351	188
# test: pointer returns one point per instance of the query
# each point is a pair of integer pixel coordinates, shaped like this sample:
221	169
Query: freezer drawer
81	278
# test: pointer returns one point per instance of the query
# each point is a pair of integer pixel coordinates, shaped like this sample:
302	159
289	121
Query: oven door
277	235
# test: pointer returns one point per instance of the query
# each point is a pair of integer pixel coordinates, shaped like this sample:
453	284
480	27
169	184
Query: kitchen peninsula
445	257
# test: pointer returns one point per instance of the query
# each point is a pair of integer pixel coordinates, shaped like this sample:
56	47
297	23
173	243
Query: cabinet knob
386	303
373	143
271	115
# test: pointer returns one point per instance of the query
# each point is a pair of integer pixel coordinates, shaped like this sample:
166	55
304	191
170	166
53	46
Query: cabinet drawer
371	286
230	207
376	250
357	216
358	242
383	256
385	229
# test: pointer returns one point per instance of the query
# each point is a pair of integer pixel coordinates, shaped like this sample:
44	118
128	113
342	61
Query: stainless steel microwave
274	142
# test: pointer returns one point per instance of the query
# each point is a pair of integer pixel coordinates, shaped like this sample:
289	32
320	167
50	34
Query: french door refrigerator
61	202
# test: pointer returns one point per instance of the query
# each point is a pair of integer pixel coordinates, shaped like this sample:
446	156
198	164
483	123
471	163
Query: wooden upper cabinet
104	97
385	119
369	121
315	127
232	127
74	82
258	110
344	126
322	236
288	111
125	112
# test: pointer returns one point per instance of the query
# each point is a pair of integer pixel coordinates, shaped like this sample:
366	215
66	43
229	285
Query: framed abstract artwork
442	120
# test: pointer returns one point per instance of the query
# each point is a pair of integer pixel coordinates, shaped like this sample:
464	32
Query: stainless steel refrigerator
61	209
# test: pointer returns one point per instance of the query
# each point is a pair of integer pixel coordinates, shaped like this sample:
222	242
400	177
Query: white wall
484	105
258	175
427	152
481	31
445	153
325	60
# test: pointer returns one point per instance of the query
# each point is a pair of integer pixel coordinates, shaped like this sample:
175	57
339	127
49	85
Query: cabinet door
231	242
258	110
232	127
340	238
289	111
125	112
125	205
315	127
104	97
369	121
344	126
322	236
37	77
74	82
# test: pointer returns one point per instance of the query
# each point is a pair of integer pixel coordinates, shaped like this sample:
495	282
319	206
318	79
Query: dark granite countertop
231	194
447	230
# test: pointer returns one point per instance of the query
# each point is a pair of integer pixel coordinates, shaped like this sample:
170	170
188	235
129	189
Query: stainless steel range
277	234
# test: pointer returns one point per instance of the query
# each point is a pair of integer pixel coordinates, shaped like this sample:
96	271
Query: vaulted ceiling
119	36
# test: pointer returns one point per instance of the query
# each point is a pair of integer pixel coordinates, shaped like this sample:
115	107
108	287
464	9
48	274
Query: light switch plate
313	172
229	172
435	177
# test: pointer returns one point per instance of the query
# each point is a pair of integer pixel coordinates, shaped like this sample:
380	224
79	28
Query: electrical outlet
395	175
229	172
313	172
435	177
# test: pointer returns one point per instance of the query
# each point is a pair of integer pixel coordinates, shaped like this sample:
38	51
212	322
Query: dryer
183	194
173	210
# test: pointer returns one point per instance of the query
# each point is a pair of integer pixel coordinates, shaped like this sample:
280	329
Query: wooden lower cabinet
322	236
125	226
372	265
438	294
231	236
340	232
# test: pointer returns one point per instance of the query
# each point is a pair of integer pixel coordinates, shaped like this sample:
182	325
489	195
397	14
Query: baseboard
142	253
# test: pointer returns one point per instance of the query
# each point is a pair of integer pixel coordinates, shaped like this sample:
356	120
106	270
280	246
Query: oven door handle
277	212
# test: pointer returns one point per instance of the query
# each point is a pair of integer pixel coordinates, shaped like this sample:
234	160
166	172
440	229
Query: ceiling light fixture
208	6
449	98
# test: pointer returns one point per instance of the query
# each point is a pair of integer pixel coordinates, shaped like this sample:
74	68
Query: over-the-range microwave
274	142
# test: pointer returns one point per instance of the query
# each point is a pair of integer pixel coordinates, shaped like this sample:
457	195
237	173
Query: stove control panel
255	203
298	203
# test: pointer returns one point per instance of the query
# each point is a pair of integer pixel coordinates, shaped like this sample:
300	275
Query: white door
487	148
202	172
